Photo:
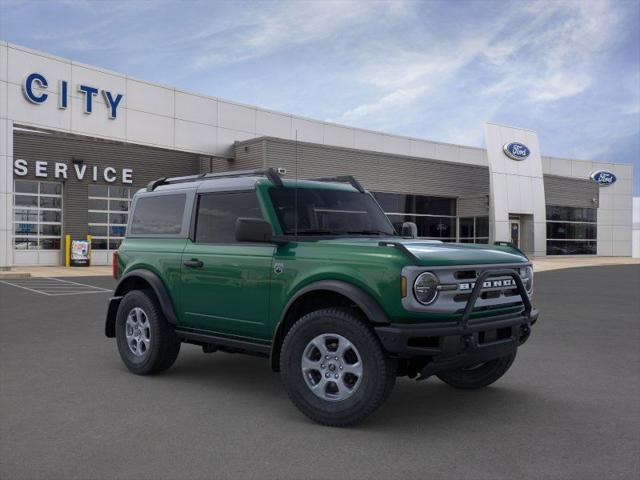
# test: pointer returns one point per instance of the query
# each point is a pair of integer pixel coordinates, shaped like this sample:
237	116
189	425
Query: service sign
516	151
603	178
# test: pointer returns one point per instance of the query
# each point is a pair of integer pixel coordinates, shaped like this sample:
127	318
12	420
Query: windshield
328	212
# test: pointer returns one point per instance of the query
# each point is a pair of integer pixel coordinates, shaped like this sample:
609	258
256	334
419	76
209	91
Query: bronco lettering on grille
489	284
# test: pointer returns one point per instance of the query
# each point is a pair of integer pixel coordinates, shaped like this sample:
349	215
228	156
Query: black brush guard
467	342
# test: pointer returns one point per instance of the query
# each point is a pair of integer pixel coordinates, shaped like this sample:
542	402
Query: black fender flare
158	288
369	306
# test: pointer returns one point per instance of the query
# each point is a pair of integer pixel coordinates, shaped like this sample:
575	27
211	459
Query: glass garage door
108	215
37	222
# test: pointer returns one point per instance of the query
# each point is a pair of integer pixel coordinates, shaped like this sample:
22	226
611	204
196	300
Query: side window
218	212
158	215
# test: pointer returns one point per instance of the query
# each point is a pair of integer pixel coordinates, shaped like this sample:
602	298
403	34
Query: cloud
275	27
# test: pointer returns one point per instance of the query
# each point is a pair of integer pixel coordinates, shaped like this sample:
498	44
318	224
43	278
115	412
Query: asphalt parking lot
568	408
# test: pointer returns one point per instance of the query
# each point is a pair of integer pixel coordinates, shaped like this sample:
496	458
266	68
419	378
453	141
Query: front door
225	284
515	232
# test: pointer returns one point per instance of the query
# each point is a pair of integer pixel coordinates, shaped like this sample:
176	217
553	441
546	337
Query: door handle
193	263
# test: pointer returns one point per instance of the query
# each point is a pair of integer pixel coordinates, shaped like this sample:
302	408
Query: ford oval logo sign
516	151
603	178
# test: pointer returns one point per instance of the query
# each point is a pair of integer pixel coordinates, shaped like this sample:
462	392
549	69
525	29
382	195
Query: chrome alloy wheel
138	332
332	367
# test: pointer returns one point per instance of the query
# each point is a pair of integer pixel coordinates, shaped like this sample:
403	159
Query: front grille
497	292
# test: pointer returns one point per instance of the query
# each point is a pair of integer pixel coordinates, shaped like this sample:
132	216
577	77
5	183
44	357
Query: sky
568	69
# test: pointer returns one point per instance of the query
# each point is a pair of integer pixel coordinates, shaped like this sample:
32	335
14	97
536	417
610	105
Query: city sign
35	87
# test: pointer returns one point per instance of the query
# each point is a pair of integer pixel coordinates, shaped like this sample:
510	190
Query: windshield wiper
370	232
313	231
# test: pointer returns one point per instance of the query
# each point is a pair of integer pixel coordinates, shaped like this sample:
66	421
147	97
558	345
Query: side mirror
409	229
254	230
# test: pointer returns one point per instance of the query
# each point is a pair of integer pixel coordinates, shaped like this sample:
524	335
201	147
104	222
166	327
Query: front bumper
453	345
449	346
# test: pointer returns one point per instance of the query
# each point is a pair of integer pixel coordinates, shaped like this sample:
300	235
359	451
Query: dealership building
77	141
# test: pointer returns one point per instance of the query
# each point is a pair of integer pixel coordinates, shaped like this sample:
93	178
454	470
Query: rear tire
146	342
478	376
334	369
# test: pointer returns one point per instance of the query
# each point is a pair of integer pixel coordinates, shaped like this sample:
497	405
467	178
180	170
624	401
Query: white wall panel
3	99
307	130
622	249
97	123
622	202
450	153
337	135
4	52
100	79
196	137
580	169
21	63
605	248
236	117
46	114
396	145
560	166
366	140
150	129
622	217
272	124
422	148
623	172
149	98
195	108
471	156
621	233
546	165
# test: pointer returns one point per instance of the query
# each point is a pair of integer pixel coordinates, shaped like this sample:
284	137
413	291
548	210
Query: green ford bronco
314	276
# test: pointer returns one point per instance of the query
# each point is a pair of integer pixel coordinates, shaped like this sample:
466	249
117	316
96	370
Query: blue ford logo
516	151
603	178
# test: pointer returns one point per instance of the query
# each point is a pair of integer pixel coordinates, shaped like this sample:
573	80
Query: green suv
312	275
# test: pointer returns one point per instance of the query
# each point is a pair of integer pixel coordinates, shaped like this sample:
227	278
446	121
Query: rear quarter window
158	215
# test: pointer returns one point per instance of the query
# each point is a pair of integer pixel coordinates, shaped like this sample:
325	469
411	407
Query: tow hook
525	331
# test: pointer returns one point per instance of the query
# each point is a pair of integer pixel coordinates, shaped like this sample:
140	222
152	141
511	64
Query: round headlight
425	288
528	281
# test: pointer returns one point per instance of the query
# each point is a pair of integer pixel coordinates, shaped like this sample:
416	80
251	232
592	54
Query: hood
435	254
430	253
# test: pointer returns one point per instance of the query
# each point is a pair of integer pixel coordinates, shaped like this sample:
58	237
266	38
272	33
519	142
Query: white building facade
77	140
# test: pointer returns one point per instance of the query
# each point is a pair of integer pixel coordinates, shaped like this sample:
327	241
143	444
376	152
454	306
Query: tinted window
158	215
311	211
421	204
466	228
218	212
571	214
482	226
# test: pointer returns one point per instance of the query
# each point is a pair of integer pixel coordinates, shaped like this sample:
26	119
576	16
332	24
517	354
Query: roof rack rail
343	179
272	174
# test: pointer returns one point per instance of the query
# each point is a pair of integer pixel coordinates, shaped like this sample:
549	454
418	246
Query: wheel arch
141	280
323	294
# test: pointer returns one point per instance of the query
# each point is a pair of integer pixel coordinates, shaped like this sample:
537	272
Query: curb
13	275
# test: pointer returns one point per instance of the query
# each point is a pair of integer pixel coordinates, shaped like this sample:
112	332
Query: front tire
146	342
478	376
334	369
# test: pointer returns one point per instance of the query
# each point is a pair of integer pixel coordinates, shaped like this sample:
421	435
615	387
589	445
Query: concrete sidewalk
540	265
557	263
59	271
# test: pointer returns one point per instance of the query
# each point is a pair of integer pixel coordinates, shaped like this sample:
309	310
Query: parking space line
55	287
25	288
81	284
